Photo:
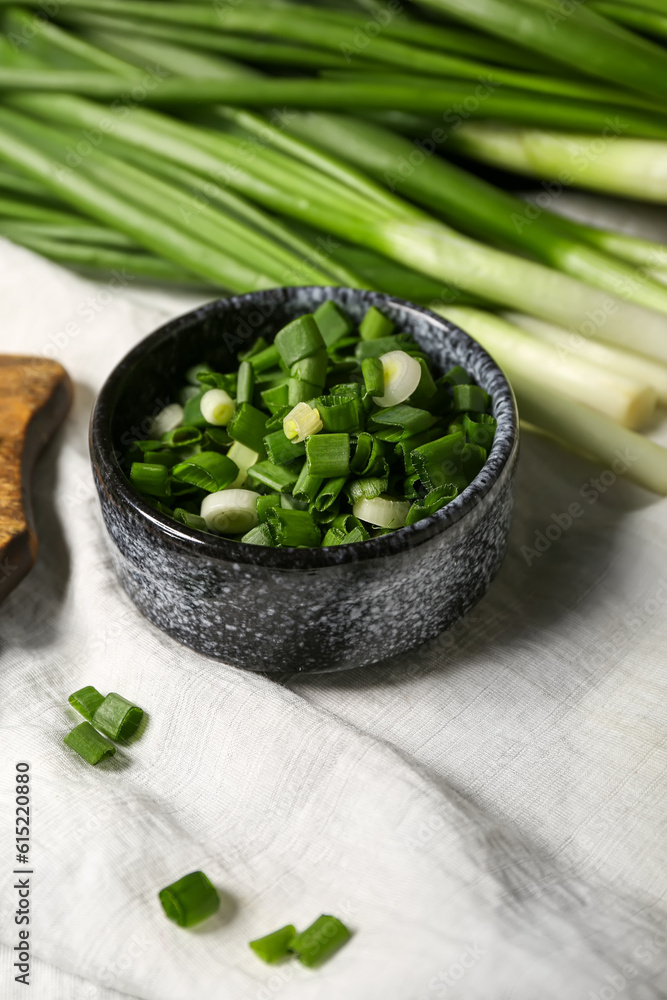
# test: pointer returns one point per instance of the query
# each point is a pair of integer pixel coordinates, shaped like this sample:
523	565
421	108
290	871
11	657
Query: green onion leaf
376	348
455	376
192	415
293	528
248	426
189	519
216	439
307	487
334	536
472	460
408	419
319	941
333	322
480	430
439	462
324	518
276	477
89	744
259	535
190	900
217	380
144	446
245	387
312	369
433	501
470	397
358	534
117	717
181	489
299	391
328	455
208	471
182	437
164	457
329	493
367	488
149	478
346	522
373	372
363	447
275	399
340	413
299	339
281	450
192	374
265	504
274	946
375	325
426	389
86	701
406	446
262	359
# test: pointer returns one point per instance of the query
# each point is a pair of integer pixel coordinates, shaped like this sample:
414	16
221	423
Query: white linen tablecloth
487	814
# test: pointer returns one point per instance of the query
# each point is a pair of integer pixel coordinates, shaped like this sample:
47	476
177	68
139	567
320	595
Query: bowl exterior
304	610
333	617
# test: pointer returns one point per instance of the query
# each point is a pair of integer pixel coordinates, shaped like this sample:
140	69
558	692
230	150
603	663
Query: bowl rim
114	482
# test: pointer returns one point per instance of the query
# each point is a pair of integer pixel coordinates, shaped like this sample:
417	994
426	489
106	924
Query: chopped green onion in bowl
331	435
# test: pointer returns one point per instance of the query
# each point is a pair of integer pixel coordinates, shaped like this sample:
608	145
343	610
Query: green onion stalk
430	36
406	234
404	46
648	22
627	401
475	206
157	215
576	37
630	168
613	359
592	434
515	106
95	259
585	38
583	426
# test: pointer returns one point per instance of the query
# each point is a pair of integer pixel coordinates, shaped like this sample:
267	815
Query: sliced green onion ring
272	947
230	512
117	717
319	941
168	419
382	511
86	701
217	407
402	375
301	421
243	458
89	744
190	900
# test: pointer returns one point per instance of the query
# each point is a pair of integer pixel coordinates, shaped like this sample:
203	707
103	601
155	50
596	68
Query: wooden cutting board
35	395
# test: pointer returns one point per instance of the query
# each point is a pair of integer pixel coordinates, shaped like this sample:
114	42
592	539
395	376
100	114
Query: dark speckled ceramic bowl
297	609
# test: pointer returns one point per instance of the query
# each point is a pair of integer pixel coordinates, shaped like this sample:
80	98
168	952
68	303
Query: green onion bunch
239	147
326	436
